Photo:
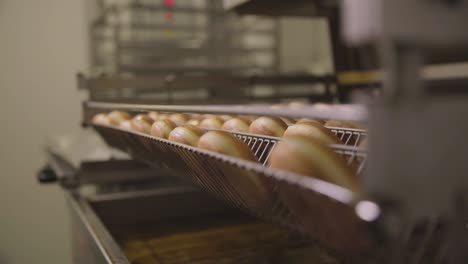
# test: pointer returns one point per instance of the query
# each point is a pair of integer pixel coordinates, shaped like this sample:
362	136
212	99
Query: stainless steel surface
175	225
124	211
116	171
96	220
112	171
401	157
91	242
223	177
301	8
418	177
419	23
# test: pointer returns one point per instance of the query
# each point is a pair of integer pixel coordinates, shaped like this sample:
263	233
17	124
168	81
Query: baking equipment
413	208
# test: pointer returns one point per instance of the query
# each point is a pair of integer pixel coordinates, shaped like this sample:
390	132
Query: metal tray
179	225
320	209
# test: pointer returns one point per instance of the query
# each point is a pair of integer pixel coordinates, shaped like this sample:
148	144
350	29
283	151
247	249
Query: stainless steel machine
156	201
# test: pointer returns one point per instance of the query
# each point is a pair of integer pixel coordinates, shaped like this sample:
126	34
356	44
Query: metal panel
91	243
302	8
95	220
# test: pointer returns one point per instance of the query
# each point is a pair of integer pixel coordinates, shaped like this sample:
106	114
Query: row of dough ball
188	134
268	126
303	149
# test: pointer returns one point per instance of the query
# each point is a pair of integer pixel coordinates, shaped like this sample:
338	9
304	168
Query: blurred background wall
42	46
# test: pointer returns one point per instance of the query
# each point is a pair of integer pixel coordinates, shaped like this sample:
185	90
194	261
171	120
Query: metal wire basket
321	209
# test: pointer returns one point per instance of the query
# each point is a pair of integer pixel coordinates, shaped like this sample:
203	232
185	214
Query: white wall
305	46
42	47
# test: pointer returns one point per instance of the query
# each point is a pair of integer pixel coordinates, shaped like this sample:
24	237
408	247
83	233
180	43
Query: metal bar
152	69
342	112
175	8
220	79
142	98
301	8
155	47
144	26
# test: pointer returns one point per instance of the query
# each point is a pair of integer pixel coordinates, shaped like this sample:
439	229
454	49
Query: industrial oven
147	199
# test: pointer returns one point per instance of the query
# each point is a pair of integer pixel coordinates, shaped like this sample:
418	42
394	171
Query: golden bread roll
213	122
314	130
226	143
162	128
101	119
196	116
268	126
225	117
203	116
163	116
288	121
342	124
248	118
254	190
179	118
154	115
186	134
317	120
236	125
127	124
310	157
194	122
117	117
306	156
142	123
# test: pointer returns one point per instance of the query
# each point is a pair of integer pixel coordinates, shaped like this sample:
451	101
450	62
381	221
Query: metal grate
349	136
262	146
322	210
314	207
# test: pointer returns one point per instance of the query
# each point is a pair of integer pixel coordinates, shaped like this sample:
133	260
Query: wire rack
261	146
323	210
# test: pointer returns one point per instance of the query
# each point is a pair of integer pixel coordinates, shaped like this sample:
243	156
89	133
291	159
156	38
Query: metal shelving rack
215	63
221	88
161	38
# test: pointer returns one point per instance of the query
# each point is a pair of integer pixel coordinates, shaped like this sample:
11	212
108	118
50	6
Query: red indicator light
169	2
